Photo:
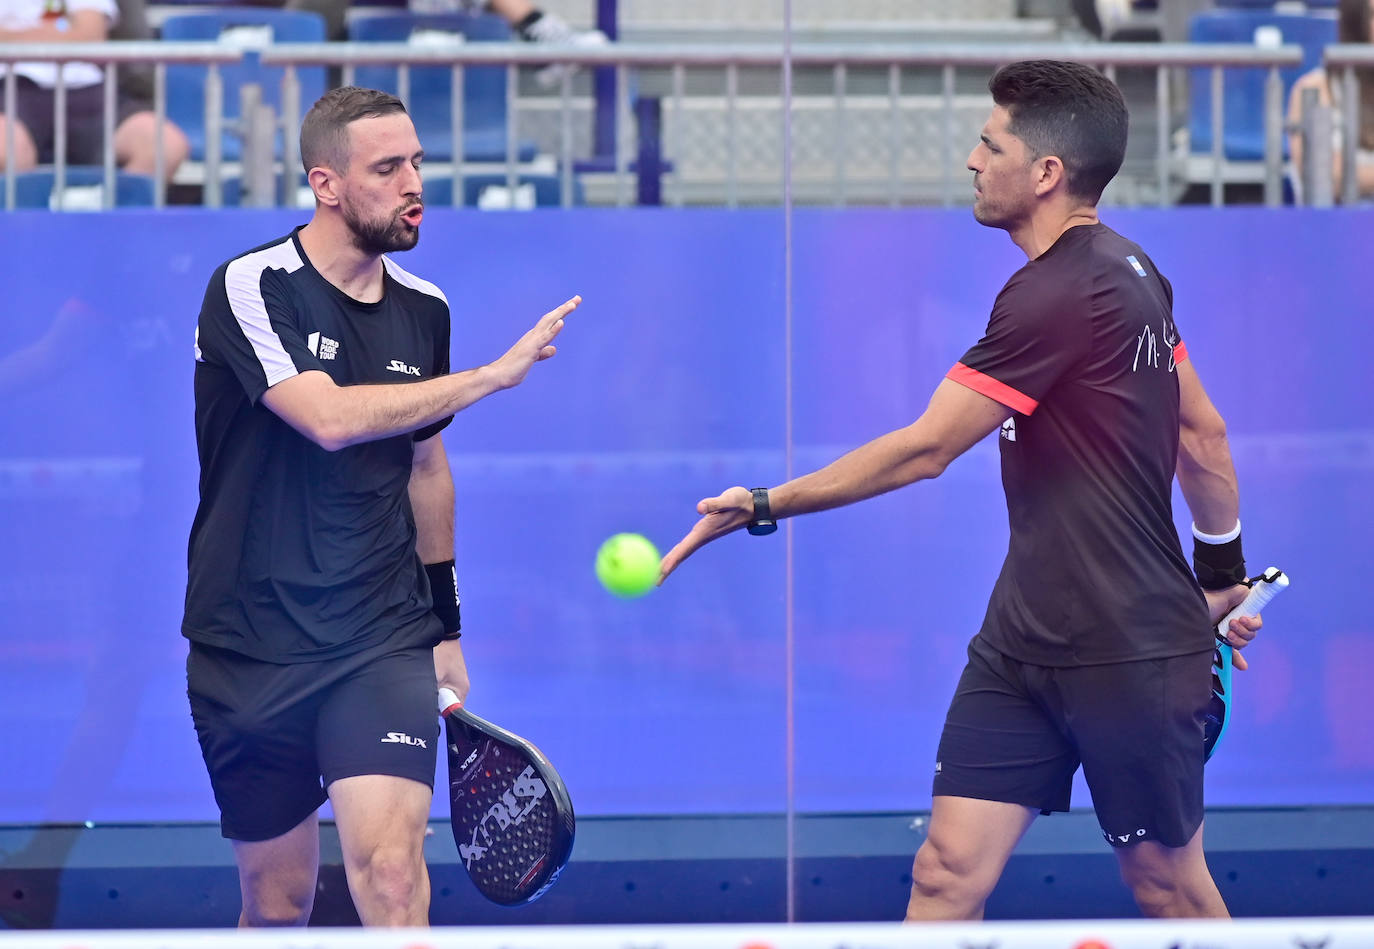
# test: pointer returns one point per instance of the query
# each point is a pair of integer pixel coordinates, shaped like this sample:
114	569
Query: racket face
511	815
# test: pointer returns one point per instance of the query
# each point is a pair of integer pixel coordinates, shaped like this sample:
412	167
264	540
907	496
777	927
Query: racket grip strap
1267	586
448	699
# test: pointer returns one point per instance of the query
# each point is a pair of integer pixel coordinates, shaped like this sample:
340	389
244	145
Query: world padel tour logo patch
322	346
1136	264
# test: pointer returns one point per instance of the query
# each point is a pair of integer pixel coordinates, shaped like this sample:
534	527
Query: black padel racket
1262	589
511	814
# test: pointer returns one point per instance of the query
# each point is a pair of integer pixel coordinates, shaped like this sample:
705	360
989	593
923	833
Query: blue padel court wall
670	386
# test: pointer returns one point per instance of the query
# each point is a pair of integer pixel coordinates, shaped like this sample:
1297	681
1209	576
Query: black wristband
443	590
1218	566
762	522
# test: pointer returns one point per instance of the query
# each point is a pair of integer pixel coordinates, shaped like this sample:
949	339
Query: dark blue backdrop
669	387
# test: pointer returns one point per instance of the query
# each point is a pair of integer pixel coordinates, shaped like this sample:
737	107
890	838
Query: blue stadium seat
547	190
1243	89
484	87
33	189
251	28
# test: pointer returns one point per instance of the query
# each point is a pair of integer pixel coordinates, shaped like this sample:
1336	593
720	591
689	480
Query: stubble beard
992	215
381	235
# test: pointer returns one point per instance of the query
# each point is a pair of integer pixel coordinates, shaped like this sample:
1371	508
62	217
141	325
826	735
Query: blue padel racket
511	814
1262	589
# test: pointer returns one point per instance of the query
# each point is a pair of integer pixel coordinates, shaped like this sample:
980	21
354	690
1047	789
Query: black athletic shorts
1017	733
85	119
275	736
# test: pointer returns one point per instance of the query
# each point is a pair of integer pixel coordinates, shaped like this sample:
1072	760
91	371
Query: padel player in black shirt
321	604
299	553
1096	649
1081	345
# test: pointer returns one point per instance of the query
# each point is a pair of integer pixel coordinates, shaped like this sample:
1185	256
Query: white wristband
1225	538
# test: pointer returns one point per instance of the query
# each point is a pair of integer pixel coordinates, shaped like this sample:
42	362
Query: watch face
763	527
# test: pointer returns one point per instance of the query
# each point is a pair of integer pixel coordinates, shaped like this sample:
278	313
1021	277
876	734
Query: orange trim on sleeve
986	385
1180	352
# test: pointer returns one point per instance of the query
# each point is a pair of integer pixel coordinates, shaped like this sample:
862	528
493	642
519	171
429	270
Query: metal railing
1345	59
660	71
109	56
946	58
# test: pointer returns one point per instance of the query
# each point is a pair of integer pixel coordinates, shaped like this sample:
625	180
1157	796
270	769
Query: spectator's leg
31	124
25	151
512	11
136	145
533	25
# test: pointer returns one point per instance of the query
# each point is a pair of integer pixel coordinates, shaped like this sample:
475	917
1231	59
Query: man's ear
324	182
1050	174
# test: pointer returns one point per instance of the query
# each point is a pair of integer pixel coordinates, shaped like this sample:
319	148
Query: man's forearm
1205	472
431	501
1207	478
956	419
373	412
888	462
335	416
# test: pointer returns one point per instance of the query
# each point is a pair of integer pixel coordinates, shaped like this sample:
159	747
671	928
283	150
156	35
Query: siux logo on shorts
401	738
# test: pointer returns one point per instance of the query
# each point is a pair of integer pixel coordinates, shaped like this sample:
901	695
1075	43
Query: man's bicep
958	417
1195	409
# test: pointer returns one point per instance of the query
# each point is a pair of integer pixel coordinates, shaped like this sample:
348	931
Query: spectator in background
530	23
76	21
1354	26
1106	18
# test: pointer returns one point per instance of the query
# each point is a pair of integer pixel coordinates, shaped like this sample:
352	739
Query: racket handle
448	701
1267	586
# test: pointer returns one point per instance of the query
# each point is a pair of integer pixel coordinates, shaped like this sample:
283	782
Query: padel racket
512	817
1262	589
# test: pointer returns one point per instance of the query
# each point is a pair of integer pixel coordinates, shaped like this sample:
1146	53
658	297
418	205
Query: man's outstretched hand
535	346
720	515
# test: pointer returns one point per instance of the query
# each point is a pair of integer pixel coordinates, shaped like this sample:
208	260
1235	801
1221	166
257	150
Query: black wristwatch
763	522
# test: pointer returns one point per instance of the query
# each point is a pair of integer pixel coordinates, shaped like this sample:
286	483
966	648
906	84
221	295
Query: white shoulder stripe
407	279
243	286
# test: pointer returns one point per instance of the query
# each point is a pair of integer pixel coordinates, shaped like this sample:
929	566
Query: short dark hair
324	133
1069	110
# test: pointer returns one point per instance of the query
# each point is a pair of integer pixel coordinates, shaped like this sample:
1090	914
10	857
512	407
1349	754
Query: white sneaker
554	30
